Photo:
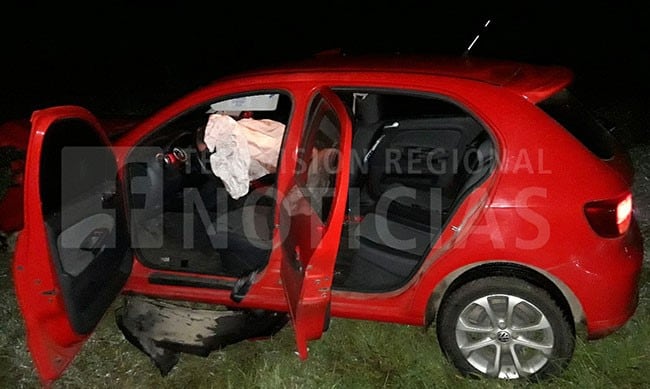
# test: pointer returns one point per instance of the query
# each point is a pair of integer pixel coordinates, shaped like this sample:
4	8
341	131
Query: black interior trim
194	282
88	294
425	143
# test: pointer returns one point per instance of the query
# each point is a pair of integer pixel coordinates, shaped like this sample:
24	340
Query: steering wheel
185	161
160	177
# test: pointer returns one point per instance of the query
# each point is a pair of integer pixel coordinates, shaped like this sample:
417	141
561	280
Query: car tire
505	327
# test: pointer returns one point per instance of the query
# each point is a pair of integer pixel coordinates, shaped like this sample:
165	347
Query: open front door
312	216
73	256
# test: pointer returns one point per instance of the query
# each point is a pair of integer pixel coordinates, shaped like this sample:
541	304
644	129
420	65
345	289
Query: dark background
132	59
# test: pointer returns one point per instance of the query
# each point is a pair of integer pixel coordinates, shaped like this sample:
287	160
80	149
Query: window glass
576	118
318	157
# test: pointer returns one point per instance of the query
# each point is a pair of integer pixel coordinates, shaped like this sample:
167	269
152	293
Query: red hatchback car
476	196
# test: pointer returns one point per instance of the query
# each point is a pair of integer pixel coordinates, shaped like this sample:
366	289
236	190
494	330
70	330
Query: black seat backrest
364	137
366	109
485	162
421	153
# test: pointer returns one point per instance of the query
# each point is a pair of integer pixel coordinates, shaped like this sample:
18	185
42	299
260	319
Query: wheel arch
560	292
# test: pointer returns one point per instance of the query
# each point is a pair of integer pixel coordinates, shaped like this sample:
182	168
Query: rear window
576	118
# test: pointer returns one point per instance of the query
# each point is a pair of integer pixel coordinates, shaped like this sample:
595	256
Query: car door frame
310	245
54	337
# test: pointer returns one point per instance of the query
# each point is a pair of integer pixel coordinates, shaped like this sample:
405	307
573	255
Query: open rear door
312	216
73	256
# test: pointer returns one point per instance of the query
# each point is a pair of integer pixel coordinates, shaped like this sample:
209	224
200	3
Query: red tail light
610	218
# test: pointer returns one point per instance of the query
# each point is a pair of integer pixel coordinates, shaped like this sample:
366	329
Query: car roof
531	81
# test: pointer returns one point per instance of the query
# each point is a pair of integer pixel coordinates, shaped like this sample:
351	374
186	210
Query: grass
351	354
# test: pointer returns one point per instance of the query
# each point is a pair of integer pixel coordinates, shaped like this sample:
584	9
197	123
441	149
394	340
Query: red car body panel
400	306
312	244
522	215
15	135
534	83
50	337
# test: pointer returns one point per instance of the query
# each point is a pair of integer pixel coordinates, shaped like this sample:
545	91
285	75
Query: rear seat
392	242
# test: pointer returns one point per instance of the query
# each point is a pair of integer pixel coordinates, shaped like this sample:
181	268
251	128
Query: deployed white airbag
243	150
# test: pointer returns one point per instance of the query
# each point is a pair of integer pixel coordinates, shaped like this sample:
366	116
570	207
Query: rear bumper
615	292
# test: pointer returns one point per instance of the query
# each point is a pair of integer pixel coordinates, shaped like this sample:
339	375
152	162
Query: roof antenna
466	53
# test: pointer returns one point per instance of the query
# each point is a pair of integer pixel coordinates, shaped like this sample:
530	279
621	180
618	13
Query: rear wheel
506	328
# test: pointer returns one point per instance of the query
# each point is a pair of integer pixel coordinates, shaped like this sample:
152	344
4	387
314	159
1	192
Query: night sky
134	59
